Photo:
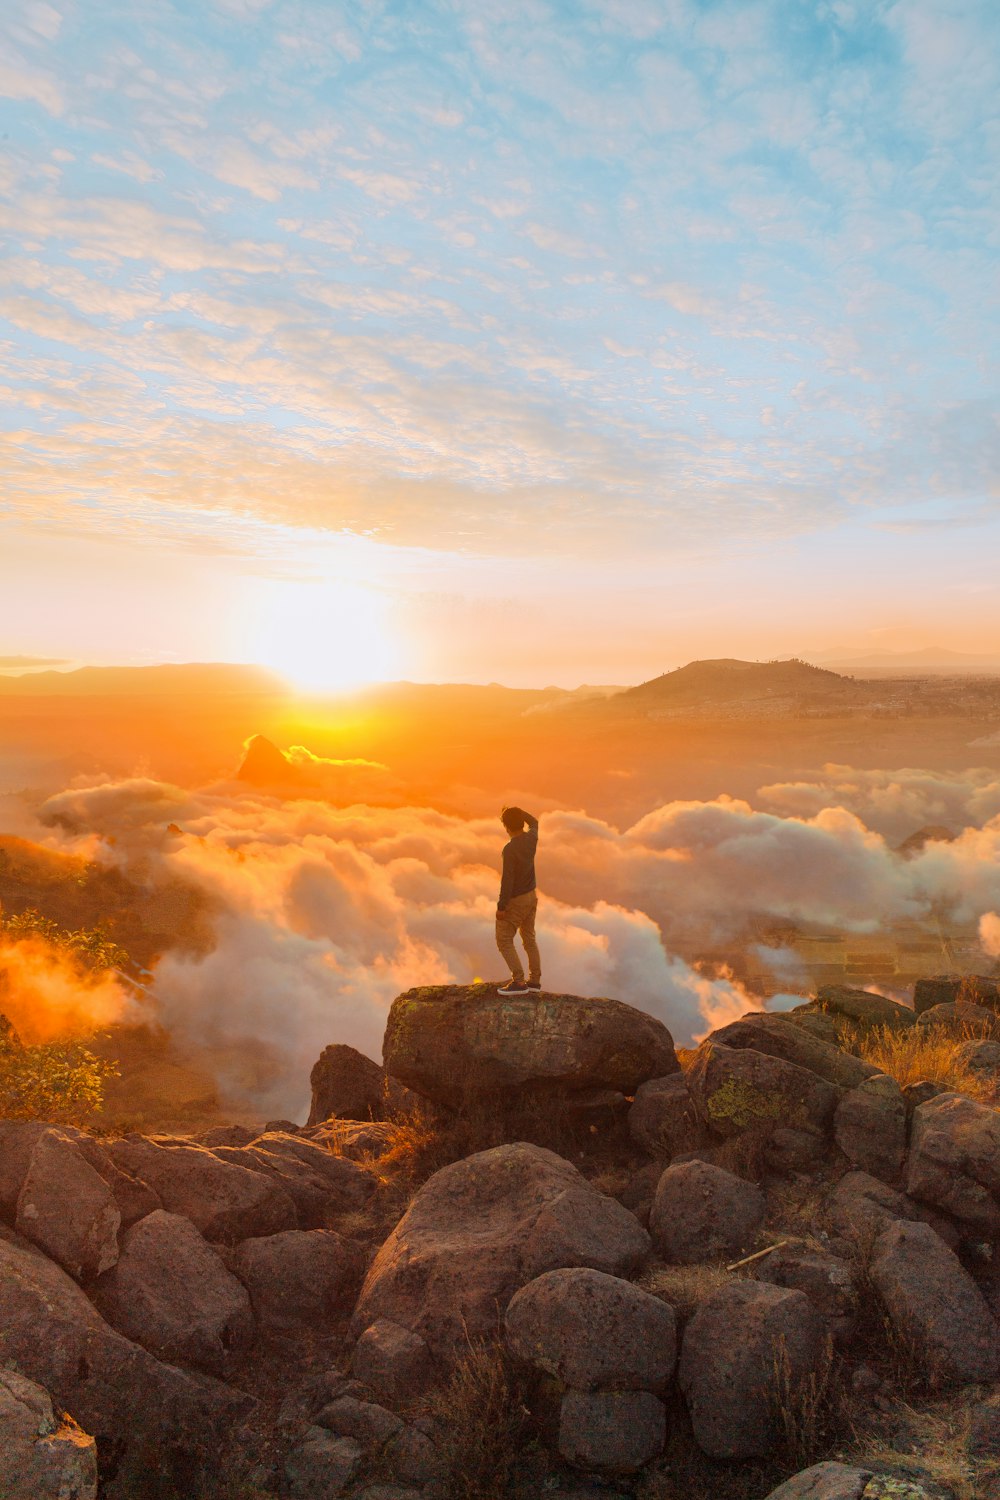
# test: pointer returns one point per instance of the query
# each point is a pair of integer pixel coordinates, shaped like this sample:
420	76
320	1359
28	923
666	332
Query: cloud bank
324	913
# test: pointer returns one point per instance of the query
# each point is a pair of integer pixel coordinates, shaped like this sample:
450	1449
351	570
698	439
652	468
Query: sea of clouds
323	913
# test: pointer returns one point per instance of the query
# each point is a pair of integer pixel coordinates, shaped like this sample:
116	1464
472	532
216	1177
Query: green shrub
57	1081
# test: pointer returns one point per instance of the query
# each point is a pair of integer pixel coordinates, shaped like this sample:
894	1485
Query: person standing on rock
518	902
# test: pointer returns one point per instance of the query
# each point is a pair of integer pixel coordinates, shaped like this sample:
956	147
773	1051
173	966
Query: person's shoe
533	986
513	987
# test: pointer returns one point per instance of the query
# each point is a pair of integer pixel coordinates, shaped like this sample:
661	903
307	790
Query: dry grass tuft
810	1411
685	1287
482	1427
918	1053
939	1433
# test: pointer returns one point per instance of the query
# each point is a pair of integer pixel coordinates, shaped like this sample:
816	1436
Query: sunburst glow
324	637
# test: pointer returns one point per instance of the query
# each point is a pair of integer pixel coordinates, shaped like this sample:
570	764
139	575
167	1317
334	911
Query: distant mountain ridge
162	679
728	680
929	659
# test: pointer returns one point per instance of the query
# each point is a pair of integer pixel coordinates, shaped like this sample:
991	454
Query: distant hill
727	681
915	663
167	680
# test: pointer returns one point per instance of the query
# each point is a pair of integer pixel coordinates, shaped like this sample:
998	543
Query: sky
498	341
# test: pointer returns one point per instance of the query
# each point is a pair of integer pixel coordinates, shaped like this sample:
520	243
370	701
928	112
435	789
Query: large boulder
870	1127
593	1331
171	1293
449	1041
67	1209
748	1346
663	1121
611	1432
740	1089
224	1201
700	1211
934	1304
776	1037
296	1280
480	1229
954	1160
134	1405
42	1456
863	1008
948	989
347	1085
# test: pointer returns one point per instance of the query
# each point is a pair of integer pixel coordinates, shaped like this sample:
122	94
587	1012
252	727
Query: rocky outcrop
225	1202
731	1349
593	1331
934	1305
480	1229
296	1279
954	1160
42	1456
450	1041
735	1090
701	1211
116	1390
171	1293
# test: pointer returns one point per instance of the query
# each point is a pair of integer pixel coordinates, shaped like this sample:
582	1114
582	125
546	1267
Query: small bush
57	1081
481	1427
921	1052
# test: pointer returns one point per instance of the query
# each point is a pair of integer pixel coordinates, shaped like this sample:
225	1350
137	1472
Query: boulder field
304	1311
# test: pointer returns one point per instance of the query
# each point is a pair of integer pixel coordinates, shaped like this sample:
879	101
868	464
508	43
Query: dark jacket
519	863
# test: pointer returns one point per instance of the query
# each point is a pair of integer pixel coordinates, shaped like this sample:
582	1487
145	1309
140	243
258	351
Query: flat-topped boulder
450	1041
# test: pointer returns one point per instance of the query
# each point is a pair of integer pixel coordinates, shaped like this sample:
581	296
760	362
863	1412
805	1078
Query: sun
325	637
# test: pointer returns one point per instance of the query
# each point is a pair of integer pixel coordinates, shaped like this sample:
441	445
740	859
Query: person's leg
526	927
506	928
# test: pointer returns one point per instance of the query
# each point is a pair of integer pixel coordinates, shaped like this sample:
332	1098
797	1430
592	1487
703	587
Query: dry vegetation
483	1430
919	1053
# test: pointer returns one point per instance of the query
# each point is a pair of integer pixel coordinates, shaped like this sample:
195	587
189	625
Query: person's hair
512	819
